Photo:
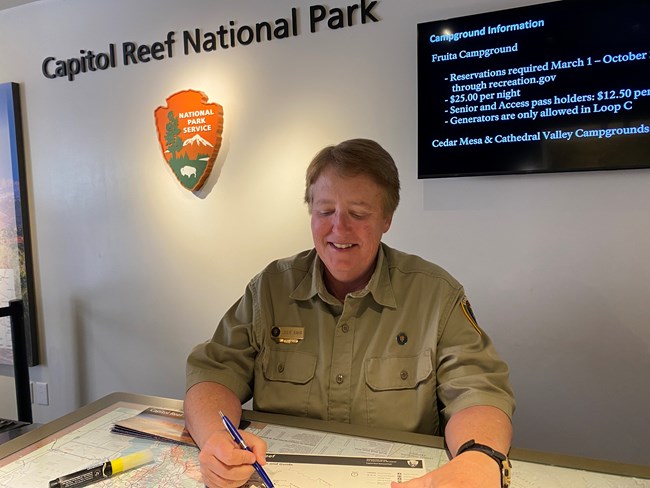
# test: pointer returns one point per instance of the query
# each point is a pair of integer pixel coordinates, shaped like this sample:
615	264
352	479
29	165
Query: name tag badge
287	335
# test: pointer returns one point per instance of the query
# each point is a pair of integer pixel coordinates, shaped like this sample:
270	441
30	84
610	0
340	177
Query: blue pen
238	439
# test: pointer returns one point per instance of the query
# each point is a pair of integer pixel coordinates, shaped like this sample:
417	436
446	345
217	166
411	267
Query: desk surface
15	453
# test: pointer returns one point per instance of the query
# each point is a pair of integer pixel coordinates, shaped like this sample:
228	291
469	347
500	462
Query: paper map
363	462
301	470
173	466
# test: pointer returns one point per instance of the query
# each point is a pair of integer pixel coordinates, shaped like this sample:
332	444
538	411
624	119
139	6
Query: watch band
501	459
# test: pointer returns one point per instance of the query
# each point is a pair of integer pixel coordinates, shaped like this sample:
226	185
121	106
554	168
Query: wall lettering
197	40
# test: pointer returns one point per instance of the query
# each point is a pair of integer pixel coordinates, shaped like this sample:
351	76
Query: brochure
161	424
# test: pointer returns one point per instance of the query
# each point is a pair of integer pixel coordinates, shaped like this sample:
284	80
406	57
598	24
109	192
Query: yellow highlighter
106	470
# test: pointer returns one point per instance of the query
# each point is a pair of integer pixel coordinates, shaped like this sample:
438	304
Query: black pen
103	471
234	433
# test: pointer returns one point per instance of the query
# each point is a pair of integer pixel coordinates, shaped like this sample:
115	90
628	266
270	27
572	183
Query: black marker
103	471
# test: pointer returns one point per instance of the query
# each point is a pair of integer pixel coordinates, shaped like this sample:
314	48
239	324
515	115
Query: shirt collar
379	285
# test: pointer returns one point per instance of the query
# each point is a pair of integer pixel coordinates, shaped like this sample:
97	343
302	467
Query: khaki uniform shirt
403	353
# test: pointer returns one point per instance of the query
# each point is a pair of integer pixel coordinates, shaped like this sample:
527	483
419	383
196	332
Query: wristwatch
501	459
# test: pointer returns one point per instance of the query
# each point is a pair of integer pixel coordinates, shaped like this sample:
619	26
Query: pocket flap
290	366
398	373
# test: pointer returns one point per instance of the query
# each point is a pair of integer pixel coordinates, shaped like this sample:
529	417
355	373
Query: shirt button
281	368
404	374
339	379
345	328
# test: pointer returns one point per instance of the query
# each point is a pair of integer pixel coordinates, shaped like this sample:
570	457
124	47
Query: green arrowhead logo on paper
189	131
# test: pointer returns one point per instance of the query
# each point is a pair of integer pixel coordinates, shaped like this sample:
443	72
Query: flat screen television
558	86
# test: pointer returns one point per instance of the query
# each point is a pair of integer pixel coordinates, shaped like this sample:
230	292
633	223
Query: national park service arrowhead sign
189	132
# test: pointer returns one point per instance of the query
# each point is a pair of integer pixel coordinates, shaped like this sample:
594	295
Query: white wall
132	270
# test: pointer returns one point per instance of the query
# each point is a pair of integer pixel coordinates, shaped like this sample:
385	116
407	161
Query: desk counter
15	452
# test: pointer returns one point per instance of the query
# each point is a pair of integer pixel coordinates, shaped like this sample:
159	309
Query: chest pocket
398	373
401	393
286	382
290	366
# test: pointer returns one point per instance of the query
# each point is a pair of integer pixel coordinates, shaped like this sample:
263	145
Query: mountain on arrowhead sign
189	131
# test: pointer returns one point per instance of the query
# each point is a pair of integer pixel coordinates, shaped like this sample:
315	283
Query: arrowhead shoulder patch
467	310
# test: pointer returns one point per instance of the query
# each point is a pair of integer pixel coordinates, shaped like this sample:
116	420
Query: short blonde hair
357	157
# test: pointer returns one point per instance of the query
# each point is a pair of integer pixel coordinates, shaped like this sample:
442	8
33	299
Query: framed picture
16	270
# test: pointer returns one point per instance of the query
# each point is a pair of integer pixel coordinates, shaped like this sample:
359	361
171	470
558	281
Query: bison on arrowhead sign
189	132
